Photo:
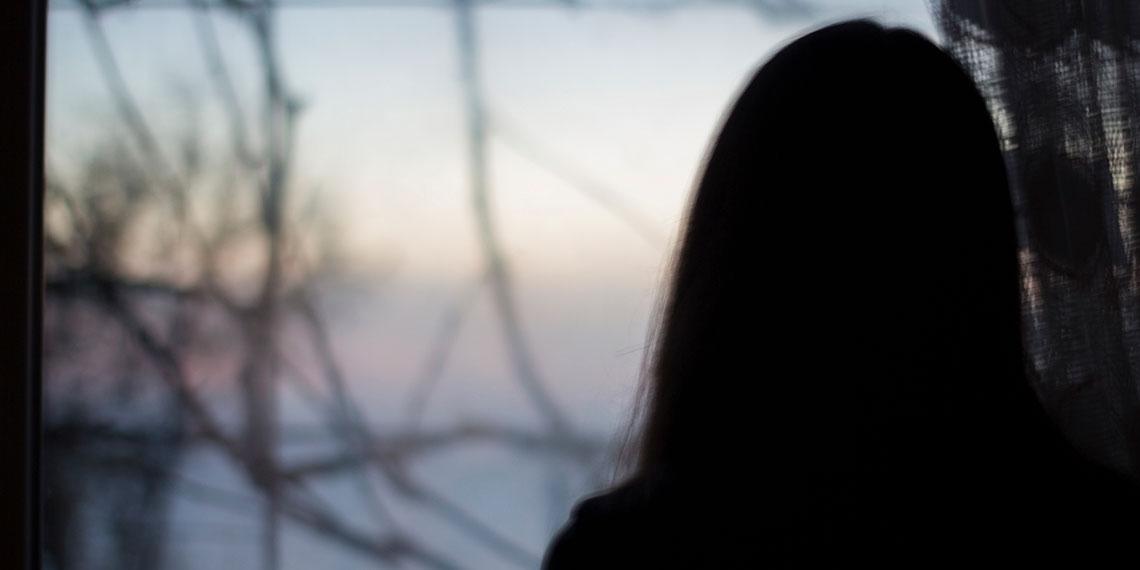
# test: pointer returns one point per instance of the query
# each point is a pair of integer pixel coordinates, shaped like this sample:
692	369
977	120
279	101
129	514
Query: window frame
22	41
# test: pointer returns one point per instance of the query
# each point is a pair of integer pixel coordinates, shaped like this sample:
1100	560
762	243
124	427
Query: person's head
845	293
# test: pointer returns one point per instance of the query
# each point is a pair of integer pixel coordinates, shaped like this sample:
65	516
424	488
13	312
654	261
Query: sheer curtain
1062	79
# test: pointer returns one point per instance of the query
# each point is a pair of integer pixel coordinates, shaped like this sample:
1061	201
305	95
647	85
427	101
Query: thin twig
602	195
439	350
223	83
502	291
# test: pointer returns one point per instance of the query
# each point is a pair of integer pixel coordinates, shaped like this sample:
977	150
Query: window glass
362	283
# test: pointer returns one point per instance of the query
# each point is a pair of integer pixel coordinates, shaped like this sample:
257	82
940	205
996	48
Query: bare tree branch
128	109
349	421
522	358
609	199
447	330
220	75
401	448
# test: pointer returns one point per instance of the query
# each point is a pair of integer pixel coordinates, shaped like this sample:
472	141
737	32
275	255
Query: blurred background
363	283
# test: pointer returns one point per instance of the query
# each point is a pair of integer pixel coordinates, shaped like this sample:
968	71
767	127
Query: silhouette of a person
838	375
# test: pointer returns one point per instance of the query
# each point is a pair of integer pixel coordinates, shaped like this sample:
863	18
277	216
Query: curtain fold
1061	79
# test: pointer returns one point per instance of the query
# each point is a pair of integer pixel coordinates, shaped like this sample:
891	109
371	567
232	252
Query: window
357	284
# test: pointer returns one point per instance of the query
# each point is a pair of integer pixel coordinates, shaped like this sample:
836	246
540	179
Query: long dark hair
845	292
838	375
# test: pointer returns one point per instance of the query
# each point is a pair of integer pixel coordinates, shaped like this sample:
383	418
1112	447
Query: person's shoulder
606	530
575	546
